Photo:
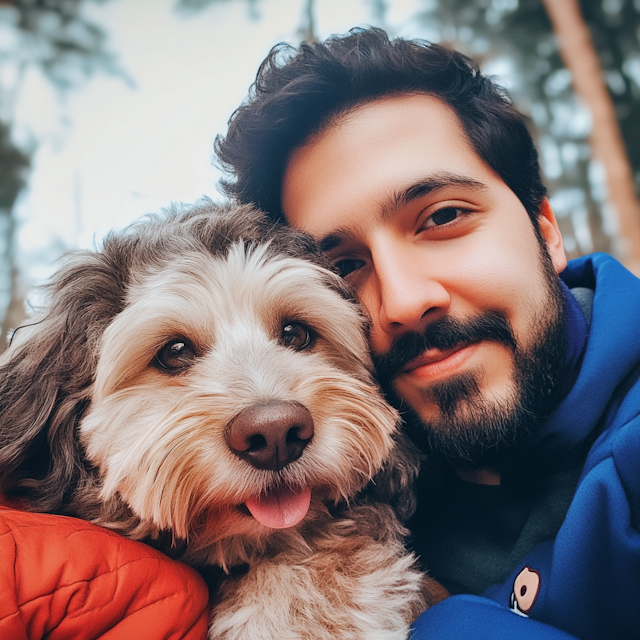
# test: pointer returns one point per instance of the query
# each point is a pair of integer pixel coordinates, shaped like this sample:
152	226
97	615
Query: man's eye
347	266
443	216
176	355
296	335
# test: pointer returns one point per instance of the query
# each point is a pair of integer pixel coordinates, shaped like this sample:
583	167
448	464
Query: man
422	184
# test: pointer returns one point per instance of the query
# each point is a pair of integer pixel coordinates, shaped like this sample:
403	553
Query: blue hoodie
585	583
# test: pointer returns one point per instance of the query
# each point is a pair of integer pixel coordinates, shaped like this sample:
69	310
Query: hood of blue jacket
612	351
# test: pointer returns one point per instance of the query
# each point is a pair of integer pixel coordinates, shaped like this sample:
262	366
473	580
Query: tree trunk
580	58
15	313
307	28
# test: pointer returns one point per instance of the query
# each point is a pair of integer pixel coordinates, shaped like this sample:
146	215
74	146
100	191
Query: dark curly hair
298	93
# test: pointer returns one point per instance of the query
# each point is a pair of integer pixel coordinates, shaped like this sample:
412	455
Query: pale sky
110	152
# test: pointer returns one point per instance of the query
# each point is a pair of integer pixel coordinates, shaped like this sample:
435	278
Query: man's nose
411	293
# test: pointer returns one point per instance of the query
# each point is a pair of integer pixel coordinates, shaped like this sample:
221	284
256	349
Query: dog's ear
45	382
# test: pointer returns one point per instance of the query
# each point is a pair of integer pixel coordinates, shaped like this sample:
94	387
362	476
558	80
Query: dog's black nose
270	435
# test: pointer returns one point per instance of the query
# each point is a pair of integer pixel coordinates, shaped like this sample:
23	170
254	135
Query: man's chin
458	421
465	444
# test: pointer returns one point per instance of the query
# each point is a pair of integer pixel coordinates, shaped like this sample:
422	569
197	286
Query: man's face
463	299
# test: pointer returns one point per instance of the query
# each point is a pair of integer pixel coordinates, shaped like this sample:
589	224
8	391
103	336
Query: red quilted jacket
66	579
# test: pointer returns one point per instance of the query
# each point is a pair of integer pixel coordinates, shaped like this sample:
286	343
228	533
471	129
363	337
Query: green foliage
615	26
58	38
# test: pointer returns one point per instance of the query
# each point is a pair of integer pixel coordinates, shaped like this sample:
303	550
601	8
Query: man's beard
472	429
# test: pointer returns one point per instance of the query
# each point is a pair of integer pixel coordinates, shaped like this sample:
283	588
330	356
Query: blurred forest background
572	66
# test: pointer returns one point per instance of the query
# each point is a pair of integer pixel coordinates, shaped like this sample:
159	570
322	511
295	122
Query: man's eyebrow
424	187
403	197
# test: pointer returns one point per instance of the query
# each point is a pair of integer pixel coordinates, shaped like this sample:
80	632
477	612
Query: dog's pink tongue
282	508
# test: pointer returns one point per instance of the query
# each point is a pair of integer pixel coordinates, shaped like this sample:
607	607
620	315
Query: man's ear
551	234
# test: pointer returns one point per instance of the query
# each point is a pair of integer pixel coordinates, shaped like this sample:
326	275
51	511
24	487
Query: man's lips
434	362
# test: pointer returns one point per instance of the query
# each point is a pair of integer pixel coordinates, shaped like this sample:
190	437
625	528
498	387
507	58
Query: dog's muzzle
270	435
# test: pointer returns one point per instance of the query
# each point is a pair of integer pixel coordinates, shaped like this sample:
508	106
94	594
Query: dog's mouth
281	507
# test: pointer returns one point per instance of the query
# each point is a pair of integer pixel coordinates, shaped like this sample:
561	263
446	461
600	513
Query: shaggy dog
204	383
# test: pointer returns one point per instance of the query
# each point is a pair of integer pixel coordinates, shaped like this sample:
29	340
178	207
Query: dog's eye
297	336
176	355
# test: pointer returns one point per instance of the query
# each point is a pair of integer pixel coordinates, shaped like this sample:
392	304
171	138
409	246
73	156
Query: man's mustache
443	334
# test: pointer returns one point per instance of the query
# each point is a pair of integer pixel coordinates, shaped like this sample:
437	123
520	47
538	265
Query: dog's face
203	341
230	392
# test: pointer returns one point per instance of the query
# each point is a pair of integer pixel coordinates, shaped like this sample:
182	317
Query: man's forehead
382	120
376	158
